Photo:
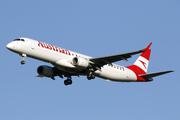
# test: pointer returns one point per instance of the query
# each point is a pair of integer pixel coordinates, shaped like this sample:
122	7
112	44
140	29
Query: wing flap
155	74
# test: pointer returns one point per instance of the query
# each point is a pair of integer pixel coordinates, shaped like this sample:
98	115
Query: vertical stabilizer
141	64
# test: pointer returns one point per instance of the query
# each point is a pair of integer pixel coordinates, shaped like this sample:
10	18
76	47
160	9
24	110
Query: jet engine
45	71
80	62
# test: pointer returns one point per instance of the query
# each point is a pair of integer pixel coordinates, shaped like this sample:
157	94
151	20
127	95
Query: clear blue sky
95	28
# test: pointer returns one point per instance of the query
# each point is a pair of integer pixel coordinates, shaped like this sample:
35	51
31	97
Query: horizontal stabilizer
155	74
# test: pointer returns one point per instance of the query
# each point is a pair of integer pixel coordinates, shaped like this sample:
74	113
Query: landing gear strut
23	57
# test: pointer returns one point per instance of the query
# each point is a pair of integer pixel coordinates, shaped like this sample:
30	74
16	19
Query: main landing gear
68	81
90	75
23	57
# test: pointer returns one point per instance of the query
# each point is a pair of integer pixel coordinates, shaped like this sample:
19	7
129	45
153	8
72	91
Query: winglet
148	46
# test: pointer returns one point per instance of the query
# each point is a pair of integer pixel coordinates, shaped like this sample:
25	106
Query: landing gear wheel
23	62
23	57
65	82
68	82
90	76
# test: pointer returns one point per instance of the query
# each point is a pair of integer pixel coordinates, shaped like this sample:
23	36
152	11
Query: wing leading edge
114	58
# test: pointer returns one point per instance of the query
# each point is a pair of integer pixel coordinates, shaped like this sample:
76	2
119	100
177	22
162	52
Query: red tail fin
141	64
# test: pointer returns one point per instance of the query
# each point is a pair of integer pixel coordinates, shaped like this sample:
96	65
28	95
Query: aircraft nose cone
9	46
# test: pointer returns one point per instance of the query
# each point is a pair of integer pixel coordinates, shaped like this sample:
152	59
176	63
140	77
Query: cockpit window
19	40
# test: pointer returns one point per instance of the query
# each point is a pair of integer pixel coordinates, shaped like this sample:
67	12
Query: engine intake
45	71
80	62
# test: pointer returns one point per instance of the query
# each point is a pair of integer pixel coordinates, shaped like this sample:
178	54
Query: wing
113	58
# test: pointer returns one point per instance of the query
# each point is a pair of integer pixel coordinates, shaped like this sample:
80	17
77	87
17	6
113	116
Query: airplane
68	63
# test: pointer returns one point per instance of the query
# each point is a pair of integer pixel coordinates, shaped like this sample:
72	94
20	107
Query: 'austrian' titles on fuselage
54	48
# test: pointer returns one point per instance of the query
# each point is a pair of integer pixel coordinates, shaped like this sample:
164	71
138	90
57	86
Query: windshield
19	40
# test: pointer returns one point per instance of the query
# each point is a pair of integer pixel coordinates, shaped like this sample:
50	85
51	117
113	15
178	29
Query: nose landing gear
23	57
23	62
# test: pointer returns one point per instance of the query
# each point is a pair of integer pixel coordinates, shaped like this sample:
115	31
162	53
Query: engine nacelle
45	71
80	62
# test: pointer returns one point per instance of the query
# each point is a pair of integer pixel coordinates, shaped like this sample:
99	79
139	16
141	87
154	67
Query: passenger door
33	44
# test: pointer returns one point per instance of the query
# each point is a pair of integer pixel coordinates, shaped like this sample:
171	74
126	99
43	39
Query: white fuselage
61	58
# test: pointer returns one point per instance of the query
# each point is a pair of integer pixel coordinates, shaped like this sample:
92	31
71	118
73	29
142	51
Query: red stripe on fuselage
138	71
